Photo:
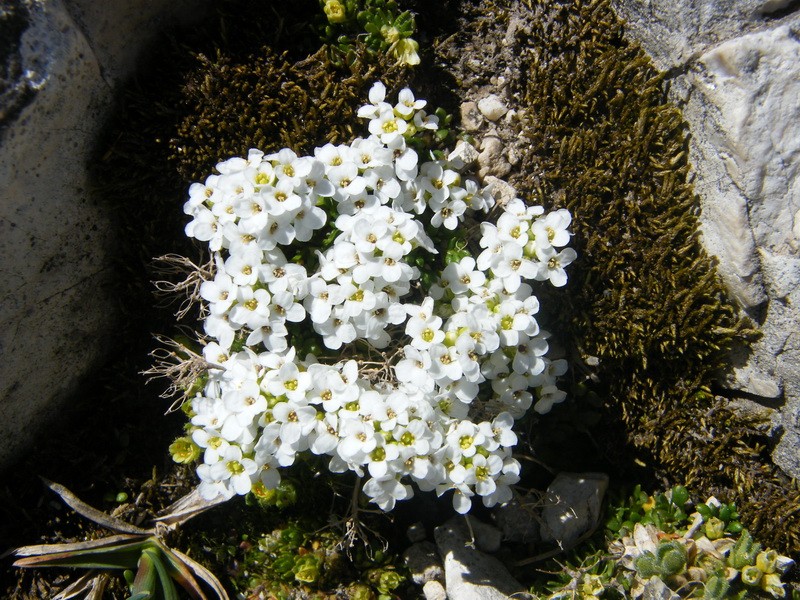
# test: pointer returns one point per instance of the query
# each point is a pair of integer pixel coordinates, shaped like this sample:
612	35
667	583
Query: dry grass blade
91	513
180	365
203	573
190	505
91	584
44	549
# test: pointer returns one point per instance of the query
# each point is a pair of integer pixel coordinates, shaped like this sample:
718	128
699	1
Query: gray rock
502	191
519	520
656	589
423	563
673	33
470	117
487	537
469	573
416	532
58	315
490	159
572	506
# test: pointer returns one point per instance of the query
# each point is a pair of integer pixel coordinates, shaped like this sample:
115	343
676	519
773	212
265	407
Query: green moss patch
644	297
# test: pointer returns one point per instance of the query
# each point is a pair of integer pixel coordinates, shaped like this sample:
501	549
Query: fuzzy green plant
649	314
664	511
678	552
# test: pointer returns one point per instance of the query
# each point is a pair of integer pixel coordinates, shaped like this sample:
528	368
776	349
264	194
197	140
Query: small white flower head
337	250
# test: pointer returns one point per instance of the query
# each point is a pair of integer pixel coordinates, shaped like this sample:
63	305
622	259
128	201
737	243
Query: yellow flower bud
335	11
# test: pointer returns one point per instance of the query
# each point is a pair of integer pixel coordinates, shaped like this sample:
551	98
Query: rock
673	33
735	72
487	537
490	159
423	563
519	520
656	589
470	117
464	155
433	590
502	191
492	107
416	532
572	506
469	573
61	62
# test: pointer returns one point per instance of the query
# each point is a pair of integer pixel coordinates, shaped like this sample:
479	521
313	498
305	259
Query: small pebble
470	116
416	532
492	107
434	590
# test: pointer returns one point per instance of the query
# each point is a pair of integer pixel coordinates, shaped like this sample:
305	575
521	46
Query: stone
58	315
469	573
487	537
423	563
518	520
656	589
492	107
464	155
490	158
433	590
673	33
502	191
572	507
734	70
416	532
470	117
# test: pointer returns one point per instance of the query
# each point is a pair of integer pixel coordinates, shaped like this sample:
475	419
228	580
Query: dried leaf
91	513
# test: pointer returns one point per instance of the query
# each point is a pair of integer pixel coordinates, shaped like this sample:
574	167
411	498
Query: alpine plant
371	304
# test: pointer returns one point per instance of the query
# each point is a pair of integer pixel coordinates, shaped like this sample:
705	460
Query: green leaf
680	496
144	584
167	587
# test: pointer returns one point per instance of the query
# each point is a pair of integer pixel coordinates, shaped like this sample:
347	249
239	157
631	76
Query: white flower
233	471
288	381
552	265
407	104
400	412
386	492
387	126
551	229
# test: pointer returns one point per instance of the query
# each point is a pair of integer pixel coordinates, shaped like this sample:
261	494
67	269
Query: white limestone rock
735	72
464	155
469	573
492	107
57	315
433	590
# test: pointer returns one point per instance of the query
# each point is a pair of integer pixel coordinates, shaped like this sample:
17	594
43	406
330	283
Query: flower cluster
324	339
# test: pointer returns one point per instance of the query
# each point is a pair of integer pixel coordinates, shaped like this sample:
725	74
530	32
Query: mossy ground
645	321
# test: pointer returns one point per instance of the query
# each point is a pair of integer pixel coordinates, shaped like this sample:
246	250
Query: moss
644	297
267	102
